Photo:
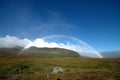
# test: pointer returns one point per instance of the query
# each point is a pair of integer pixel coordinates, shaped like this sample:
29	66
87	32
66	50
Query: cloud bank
12	41
42	43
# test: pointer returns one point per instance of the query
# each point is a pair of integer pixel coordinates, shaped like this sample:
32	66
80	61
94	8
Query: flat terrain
28	68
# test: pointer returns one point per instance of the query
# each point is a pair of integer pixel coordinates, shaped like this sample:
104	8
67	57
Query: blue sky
96	22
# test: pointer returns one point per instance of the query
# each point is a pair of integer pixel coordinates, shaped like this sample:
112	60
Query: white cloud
11	41
42	43
85	49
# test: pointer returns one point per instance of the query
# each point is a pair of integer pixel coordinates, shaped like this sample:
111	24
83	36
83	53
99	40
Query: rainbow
74	39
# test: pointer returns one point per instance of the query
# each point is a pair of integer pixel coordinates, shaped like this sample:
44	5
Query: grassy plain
28	68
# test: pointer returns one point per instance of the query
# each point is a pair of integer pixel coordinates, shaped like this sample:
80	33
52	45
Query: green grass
74	68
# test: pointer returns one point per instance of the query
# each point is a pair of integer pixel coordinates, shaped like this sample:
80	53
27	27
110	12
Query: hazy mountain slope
9	51
111	54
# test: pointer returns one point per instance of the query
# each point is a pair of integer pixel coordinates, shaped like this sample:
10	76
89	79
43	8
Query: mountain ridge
39	52
49	52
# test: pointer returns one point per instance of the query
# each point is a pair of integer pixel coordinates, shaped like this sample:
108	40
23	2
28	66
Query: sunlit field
26	68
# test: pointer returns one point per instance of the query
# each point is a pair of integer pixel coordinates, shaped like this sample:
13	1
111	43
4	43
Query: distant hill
111	54
9	51
39	52
49	52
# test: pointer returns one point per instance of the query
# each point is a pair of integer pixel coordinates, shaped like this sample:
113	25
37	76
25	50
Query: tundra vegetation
31	68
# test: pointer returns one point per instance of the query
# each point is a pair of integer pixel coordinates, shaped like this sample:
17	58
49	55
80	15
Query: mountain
39	52
10	51
49	53
111	54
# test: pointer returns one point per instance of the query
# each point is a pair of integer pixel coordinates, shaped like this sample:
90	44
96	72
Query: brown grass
74	68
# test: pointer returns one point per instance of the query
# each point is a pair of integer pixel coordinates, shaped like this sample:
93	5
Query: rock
57	70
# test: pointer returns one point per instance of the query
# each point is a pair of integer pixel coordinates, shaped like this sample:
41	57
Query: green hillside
39	52
49	53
